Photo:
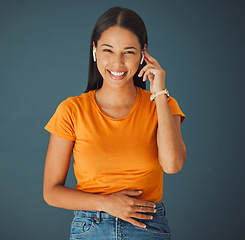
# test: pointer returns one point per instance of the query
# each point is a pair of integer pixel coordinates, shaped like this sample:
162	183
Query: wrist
159	93
158	90
161	97
102	199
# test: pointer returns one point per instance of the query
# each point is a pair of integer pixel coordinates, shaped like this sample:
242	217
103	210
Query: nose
118	60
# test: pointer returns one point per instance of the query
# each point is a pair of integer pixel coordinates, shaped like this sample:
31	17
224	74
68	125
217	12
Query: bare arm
171	147
55	172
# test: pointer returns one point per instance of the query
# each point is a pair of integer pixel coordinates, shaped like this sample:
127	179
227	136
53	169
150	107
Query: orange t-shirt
111	154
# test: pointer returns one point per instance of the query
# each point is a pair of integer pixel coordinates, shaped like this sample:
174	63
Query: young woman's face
118	56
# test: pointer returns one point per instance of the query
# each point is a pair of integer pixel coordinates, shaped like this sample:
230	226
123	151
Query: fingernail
140	191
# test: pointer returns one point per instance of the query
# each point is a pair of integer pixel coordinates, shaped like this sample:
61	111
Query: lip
118	77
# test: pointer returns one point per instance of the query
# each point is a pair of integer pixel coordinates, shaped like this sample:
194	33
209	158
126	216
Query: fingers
145	209
125	206
142	203
140	216
131	192
150	74
145	68
152	64
134	202
150	59
136	223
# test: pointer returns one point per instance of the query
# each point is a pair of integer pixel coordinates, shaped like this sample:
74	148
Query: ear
145	48
93	45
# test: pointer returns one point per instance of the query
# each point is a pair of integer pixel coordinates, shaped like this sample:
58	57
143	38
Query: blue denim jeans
99	225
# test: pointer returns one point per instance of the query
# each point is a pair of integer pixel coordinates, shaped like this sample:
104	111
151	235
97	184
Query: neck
117	96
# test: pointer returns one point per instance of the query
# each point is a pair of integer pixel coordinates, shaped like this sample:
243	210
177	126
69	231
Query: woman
120	139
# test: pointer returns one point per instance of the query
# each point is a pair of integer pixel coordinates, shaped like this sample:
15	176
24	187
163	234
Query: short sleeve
175	109
61	123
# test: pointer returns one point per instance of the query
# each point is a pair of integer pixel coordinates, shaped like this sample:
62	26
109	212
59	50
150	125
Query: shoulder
74	102
145	95
144	92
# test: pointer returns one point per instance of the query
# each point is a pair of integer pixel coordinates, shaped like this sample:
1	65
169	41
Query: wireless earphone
141	61
94	51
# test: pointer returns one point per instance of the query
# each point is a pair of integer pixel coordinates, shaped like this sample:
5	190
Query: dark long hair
127	19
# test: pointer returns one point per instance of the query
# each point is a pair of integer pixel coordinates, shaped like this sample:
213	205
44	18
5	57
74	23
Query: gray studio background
44	49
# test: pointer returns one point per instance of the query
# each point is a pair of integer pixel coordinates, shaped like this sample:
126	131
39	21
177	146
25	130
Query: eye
106	50
130	52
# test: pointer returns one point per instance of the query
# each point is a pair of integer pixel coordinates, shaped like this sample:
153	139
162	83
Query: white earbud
94	51
142	59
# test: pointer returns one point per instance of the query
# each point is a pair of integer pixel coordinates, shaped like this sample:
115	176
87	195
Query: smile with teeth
117	74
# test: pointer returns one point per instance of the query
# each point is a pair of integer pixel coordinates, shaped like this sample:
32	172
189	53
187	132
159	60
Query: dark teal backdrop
44	49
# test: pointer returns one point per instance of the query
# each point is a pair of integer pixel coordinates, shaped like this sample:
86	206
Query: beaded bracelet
154	95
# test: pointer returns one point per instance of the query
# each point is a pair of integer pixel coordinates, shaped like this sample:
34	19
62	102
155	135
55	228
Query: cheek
104	58
135	62
102	63
134	66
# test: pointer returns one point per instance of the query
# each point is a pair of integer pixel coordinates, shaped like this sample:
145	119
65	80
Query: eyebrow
112	47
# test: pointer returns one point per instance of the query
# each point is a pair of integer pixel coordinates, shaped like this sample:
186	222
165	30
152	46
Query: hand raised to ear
154	72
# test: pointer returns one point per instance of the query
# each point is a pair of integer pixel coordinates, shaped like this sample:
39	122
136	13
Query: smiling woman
126	19
122	142
114	60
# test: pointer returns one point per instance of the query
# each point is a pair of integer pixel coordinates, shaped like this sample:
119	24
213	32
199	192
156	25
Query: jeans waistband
97	215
